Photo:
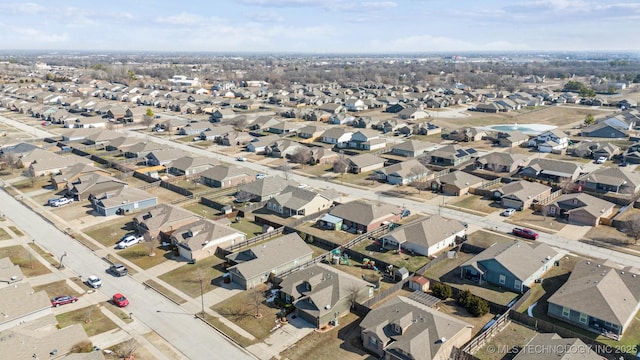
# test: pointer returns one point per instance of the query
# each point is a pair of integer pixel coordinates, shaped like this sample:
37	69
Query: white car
508	212
261	176
61	201
94	281
128	240
601	160
241	158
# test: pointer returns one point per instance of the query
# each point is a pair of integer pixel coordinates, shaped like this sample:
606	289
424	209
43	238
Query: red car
525	233
119	300
62	300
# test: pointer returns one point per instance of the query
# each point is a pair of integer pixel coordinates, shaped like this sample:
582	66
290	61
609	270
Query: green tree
442	291
477	306
463	298
589	120
587	92
150	113
131	75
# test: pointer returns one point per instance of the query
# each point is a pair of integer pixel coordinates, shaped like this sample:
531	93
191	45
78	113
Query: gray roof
293	197
523	190
189	161
126	195
158	216
613	176
557	348
426	232
8	270
405	168
554	166
613	291
221	172
460	179
423	328
365	160
265	257
201	233
583	202
364	212
520	258
501	158
270	185
414	145
20	300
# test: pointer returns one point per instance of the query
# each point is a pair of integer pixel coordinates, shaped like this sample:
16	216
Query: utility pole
60	266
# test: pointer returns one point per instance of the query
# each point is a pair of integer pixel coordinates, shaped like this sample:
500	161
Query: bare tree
148	117
302	156
418	179
256	298
127	348
340	166
632	227
149	243
286	170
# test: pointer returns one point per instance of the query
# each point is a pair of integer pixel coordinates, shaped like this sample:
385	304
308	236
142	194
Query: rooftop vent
443	339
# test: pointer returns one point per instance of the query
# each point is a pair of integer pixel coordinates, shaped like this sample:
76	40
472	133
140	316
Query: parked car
261	176
62	300
61	201
508	212
525	233
94	281
241	158
601	160
623	164
118	270
128	240
119	300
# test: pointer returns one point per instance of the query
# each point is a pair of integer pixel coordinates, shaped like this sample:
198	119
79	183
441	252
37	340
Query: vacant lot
611	236
512	335
23	258
110	232
187	277
91	318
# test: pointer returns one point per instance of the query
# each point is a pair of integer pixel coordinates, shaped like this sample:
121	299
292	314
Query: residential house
142	149
452	155
355	105
556	171
332	108
557	348
403	328
284	148
227	176
75	171
260	144
551	141
404	173
18	149
160	221
611	179
295	201
367	139
195	128
513	265
20	303
322	294
499	162
24	159
456	183
512	139
121	143
323	156
263	123
200	239
165	156
263	189
236	138
55	164
93	184
632	154
413	148
215	133
580	209
362	216
603	130
467	134
600	296
364	163
190	165
311	132
285	127
521	194
256	265
222	115
595	150
426	237
339	137
412	113
123	201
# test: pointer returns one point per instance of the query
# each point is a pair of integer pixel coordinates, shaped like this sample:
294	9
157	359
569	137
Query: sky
321	26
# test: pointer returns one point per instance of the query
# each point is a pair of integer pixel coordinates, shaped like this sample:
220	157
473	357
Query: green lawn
4	235
108	233
250	228
57	288
186	277
201	210
91	318
23	258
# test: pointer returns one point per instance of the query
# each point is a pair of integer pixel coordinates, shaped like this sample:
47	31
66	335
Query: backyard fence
488	333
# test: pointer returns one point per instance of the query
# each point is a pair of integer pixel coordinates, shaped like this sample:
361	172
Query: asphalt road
187	334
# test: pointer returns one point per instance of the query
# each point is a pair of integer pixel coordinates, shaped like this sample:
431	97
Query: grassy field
512	335
201	210
186	278
475	203
92	319
108	233
373	249
23	258
4	235
242	309
57	288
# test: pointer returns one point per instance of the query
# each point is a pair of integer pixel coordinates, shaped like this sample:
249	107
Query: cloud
22	8
328	5
182	19
264	17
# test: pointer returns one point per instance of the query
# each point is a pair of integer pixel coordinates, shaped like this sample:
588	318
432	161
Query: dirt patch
452	308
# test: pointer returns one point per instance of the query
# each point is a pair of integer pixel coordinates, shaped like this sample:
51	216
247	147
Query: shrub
442	291
463	298
82	347
477	306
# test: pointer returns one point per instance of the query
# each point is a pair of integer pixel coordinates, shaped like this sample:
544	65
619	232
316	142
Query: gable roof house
367	139
412	113
321	294
285	127
195	128
260	145
361	216
456	183
467	134
73	172
588	149
355	105
558	348
603	130
55	165
123	201
364	163
226	176
403	328
295	201
284	148
613	294
323	156
264	189
550	141
551	170
142	149
426	236
161	220
258	264
521	194
512	139
337	136
215	133
512	265
200	239
500	162
20	303
190	165
413	148
92	184
404	172
580	209
310	132
164	156
452	155
611	179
